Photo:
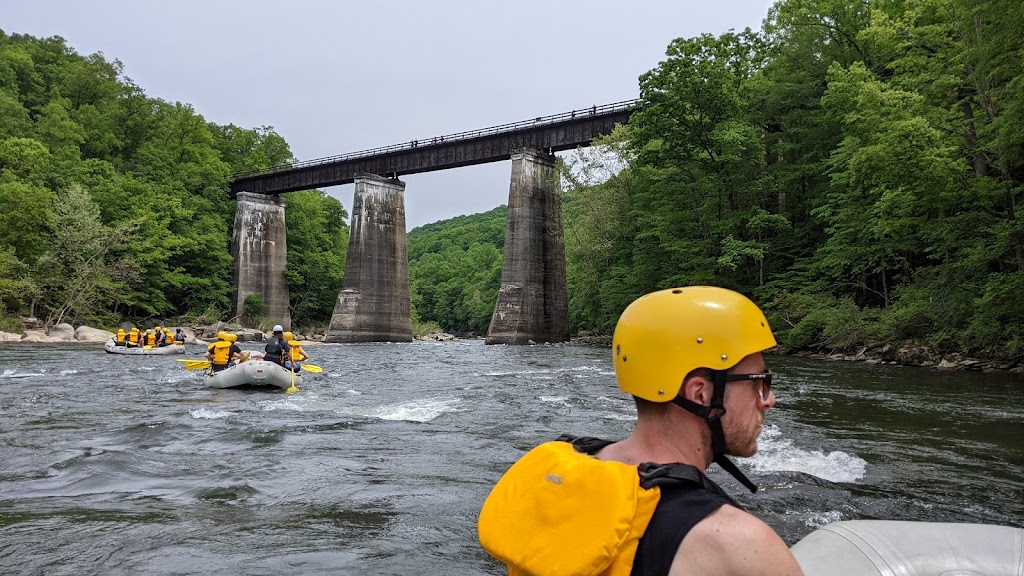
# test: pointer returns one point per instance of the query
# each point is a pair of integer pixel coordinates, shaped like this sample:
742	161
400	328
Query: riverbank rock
913	354
8	337
436	337
249	335
90	334
38	336
64	331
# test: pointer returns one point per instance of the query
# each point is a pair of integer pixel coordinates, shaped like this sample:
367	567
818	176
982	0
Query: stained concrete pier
533	301
374	303
260	248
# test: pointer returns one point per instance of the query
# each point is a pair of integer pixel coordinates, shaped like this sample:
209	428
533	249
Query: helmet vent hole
677	291
700	340
618	350
623	357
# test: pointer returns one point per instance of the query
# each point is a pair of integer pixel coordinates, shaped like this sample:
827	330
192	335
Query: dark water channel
128	465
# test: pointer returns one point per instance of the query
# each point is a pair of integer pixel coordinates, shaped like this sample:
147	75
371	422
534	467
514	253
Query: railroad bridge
374	303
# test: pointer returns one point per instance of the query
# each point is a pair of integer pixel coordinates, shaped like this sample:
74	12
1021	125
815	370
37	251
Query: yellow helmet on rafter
662	336
289	336
230	337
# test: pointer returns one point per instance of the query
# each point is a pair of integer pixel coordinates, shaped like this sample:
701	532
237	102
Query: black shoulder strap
585	444
652	474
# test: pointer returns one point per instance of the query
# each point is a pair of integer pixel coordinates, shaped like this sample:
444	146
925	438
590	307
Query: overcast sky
338	76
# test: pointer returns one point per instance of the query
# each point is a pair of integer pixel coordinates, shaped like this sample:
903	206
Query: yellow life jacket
295	350
150	338
559	511
133	337
119	339
221	351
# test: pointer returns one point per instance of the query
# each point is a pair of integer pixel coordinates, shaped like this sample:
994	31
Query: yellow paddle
312	368
292	388
195	364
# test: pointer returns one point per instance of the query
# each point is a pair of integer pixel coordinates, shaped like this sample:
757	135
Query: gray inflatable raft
254	373
896	548
111	348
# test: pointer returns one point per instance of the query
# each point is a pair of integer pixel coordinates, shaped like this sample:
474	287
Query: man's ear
697	388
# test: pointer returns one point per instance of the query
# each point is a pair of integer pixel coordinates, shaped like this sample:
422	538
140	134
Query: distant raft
890	547
111	348
254	373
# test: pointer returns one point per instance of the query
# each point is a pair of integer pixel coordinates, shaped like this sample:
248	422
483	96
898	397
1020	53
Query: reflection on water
113	464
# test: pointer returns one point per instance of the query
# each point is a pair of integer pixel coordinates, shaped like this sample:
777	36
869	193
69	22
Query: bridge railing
447	138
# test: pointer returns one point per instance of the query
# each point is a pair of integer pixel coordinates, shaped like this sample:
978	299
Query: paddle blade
312	368
195	364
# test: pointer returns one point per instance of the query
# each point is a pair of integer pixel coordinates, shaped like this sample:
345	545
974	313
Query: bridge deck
550	133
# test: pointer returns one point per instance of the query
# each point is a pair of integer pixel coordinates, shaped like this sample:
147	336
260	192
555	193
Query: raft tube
896	548
254	373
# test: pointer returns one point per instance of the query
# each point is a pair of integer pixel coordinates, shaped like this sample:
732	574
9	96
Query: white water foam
776	454
819	519
15	374
416	410
550	374
207	414
560	400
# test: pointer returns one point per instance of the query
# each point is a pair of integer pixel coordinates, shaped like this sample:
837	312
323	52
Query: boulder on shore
64	331
90	334
36	336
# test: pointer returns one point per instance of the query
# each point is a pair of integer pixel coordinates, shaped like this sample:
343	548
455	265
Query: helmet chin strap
712	414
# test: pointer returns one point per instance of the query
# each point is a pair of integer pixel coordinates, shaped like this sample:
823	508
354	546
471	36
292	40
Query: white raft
254	373
111	348
896	548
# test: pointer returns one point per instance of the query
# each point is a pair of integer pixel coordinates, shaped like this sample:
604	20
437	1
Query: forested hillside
115	203
455	271
855	166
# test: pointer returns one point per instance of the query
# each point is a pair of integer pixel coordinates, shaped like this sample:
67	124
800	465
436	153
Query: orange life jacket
221	351
295	351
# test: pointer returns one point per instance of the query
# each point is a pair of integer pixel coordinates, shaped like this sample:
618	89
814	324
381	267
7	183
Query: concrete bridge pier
260	248
374	303
533	301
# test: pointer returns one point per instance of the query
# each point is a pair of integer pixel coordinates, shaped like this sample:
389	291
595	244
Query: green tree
317	247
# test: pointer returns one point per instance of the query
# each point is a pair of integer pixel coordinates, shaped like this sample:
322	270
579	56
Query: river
114	464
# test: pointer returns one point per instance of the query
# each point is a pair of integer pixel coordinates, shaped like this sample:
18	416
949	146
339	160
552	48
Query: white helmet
278	328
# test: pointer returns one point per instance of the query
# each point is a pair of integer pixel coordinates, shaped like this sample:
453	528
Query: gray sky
338	76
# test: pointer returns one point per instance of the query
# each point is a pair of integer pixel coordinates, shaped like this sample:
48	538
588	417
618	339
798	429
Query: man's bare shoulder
733	542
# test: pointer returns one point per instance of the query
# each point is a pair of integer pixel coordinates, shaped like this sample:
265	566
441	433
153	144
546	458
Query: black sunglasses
765	378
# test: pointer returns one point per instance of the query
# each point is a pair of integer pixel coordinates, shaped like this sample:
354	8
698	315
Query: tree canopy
116	204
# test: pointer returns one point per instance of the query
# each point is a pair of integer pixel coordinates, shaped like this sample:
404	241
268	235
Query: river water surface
114	464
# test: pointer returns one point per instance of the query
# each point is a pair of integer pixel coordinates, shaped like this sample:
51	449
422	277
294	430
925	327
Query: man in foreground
691	358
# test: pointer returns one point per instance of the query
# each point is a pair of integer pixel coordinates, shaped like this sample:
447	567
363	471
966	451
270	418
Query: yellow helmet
664	335
289	336
222	335
230	337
